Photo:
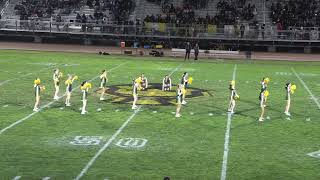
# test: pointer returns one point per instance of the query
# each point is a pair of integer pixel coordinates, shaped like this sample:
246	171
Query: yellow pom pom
37	81
293	87
67	82
266	93
60	74
138	80
267	80
237	97
190	80
233	82
43	88
292	91
75	78
88	85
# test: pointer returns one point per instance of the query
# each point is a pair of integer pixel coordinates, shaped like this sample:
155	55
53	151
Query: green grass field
42	145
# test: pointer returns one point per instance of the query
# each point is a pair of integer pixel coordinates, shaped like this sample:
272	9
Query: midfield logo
134	143
152	96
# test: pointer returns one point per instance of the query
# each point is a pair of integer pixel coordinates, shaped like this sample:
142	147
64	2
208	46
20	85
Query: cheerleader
290	88
69	83
264	93
166	83
184	83
85	86
135	88
233	97
37	90
103	84
144	82
56	79
179	100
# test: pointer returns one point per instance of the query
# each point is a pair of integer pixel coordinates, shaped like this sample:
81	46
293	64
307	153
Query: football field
115	142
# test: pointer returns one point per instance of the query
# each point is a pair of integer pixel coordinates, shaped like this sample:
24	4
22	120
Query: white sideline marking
113	137
227	138
307	88
315	154
16	178
6	81
48	104
46	178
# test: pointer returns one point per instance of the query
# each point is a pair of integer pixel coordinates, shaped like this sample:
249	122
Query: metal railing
161	30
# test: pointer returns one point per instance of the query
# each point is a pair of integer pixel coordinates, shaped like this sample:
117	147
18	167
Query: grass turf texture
187	148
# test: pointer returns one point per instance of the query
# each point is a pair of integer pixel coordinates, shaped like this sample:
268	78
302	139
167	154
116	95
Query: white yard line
306	87
227	138
16	178
113	137
9	80
48	104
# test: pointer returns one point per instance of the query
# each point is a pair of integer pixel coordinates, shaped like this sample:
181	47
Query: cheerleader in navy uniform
233	97
179	96
144	82
264	93
85	86
290	88
69	83
56	79
103	84
37	90
135	87
166	83
184	83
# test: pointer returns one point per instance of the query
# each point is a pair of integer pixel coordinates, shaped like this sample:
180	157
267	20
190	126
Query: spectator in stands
242	29
263	28
58	21
83	23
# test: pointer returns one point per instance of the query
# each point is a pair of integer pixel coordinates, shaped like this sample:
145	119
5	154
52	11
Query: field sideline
115	142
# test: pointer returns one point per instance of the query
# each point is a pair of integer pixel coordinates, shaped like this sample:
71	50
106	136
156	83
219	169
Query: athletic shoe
134	107
35	109
287	113
102	99
184	102
178	115
261	119
68	105
56	98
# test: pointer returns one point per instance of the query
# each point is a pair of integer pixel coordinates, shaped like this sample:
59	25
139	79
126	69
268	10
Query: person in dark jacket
188	50
196	51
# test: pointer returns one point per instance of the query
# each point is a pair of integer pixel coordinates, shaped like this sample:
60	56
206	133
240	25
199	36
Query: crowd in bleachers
229	12
296	13
44	9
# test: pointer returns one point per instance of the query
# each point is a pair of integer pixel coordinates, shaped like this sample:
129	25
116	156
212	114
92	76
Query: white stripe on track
48	104
306	87
227	138
113	137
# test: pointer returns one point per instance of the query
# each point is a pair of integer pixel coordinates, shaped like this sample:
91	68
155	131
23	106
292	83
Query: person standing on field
196	51
188	51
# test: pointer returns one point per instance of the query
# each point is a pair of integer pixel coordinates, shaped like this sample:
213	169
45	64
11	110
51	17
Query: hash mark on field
16	178
5	106
46	178
227	138
47	105
306	87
